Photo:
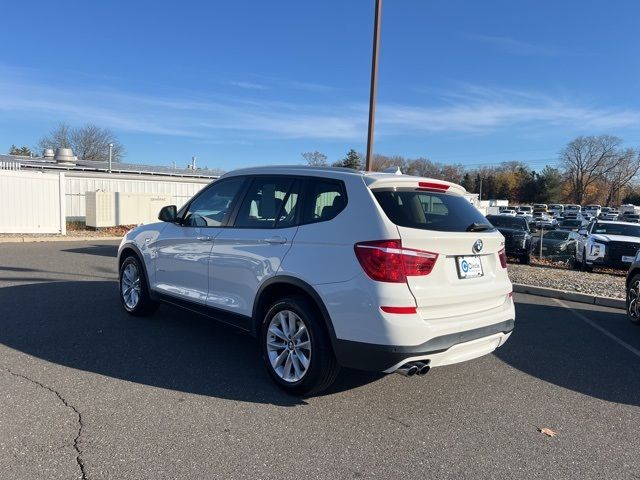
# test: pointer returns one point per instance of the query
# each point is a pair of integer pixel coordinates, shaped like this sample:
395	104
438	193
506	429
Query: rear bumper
442	350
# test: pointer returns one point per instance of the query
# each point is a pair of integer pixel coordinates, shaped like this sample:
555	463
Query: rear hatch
468	276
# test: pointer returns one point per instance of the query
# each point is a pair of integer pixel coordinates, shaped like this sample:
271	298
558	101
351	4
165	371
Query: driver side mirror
168	214
583	232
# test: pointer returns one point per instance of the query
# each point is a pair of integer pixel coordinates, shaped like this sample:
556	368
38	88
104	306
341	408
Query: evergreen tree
352	160
22	151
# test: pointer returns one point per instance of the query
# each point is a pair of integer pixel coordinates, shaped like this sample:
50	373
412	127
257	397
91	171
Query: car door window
213	207
326	199
270	202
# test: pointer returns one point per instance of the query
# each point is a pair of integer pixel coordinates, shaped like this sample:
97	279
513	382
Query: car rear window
429	210
502	221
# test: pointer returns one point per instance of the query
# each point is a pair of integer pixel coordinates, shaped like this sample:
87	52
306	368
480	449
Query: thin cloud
518	47
249	85
467	109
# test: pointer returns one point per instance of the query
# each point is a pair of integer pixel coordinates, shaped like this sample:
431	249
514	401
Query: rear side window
324	199
429	210
270	202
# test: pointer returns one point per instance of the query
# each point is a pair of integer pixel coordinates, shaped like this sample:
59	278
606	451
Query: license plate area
469	266
628	259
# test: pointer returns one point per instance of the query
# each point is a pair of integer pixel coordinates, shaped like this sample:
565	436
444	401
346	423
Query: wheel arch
132	250
632	273
282	285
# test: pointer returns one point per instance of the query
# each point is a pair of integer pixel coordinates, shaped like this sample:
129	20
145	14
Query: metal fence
32	202
11	166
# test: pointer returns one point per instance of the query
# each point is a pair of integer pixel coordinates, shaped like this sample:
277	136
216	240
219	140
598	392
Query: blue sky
250	82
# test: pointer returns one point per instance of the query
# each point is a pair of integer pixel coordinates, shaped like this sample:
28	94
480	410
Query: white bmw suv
329	267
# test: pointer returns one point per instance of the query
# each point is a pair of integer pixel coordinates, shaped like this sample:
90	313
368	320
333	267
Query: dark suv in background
517	236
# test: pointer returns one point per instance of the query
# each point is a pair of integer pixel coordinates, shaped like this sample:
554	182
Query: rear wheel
633	299
134	293
525	259
296	348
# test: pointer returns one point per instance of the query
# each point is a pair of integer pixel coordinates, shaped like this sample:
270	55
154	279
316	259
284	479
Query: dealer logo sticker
477	246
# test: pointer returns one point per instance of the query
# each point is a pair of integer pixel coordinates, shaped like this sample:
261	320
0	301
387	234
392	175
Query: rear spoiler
374	181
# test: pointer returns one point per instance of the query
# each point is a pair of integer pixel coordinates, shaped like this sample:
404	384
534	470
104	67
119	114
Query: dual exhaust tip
414	368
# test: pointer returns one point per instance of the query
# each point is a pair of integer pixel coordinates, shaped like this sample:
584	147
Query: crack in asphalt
76	441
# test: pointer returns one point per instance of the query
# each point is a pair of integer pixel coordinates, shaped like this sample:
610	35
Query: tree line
590	169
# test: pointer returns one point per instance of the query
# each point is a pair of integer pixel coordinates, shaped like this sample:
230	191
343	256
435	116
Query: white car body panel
242	260
182	256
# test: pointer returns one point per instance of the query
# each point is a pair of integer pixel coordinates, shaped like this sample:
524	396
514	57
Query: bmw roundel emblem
477	246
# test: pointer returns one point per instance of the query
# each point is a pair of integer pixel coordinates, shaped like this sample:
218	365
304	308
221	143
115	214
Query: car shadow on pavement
82	325
101	250
552	344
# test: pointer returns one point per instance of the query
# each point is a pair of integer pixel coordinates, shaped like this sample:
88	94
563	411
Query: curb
58	238
570	296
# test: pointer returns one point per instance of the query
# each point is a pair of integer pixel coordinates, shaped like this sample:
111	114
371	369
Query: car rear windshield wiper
479	227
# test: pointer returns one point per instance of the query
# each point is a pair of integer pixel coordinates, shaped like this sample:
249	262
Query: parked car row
588	244
590	237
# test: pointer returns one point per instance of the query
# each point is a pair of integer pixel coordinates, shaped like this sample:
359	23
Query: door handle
277	240
204	239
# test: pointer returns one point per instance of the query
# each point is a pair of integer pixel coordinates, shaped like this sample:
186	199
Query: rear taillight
387	261
503	258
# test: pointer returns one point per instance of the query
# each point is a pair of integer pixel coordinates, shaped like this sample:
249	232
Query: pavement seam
76	440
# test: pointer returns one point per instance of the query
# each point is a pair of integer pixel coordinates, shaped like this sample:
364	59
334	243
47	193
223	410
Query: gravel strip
600	284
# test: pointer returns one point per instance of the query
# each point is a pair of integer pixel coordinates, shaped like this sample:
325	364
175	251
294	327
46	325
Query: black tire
145	305
323	367
633	313
525	259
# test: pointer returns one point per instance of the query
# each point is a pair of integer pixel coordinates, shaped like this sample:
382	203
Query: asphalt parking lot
88	392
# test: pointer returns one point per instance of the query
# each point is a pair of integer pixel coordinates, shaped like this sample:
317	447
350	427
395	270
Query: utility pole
480	197
110	155
374	82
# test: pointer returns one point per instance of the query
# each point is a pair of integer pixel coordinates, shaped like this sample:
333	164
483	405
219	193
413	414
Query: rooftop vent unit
48	153
64	156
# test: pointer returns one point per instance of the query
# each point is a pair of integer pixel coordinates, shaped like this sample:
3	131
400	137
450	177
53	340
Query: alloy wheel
130	286
633	299
288	346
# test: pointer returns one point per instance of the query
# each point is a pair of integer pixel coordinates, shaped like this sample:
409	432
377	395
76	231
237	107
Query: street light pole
374	82
110	155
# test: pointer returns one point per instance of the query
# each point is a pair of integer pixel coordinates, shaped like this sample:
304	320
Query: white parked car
329	267
607	244
593	210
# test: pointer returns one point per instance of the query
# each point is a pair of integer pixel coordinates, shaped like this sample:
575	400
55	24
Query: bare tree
315	159
59	137
626	167
88	143
380	162
586	160
422	167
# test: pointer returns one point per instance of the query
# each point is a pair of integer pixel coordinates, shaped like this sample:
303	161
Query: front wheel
134	293
633	300
296	348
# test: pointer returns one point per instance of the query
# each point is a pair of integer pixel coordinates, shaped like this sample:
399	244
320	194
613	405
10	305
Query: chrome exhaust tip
408	370
423	368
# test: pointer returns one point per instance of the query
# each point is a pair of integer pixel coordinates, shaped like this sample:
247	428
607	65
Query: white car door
183	249
252	248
